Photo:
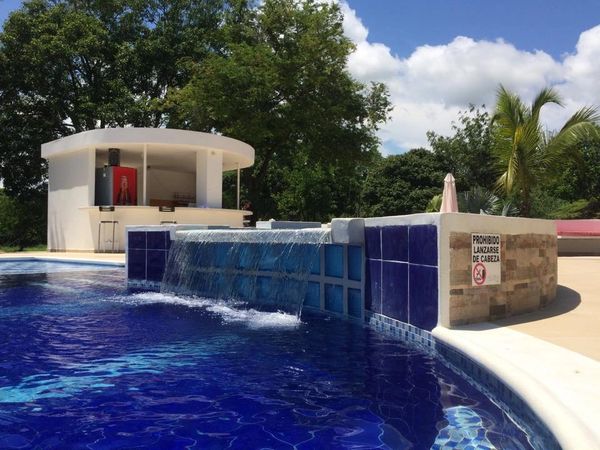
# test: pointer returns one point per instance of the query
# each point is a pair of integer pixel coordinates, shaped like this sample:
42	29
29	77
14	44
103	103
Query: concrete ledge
560	386
348	231
578	246
103	259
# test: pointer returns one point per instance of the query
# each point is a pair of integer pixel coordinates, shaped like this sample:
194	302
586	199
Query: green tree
527	156
22	220
467	153
281	85
68	66
403	184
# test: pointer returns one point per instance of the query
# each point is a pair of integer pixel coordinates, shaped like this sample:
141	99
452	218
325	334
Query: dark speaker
114	157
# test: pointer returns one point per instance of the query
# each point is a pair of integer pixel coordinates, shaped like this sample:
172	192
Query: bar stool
167	209
101	223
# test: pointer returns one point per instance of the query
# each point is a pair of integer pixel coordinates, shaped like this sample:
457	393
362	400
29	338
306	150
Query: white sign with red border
486	266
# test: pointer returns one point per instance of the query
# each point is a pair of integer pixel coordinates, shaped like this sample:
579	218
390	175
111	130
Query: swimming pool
86	363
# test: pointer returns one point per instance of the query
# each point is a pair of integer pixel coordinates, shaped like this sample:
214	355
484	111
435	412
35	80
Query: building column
91	176
209	178
238	187
145	176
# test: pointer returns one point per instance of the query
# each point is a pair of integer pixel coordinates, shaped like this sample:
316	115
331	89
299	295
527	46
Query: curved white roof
161	140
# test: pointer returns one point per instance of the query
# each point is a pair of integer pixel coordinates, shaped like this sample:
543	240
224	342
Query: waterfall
266	269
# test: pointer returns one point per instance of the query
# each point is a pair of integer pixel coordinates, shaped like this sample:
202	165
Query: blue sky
550	25
439	56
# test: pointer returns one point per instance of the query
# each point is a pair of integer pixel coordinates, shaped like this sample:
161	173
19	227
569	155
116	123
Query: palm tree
526	154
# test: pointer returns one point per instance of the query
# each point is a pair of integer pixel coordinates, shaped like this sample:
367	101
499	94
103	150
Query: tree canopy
282	86
467	154
271	74
526	154
403	184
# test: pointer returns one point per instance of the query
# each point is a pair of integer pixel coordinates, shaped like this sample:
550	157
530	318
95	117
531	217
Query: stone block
459	277
460	241
348	231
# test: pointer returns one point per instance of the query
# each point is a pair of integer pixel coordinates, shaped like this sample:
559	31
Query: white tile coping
562	387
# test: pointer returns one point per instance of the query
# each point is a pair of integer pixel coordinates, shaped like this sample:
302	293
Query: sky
437	57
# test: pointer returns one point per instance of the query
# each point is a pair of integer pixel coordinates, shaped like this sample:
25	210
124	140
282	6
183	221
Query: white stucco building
177	169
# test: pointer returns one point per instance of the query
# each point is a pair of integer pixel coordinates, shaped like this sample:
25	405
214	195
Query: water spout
266	269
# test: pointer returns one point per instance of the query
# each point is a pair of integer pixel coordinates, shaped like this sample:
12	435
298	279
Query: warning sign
486	268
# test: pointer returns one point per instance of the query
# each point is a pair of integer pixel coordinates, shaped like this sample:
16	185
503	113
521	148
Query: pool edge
70	260
547	398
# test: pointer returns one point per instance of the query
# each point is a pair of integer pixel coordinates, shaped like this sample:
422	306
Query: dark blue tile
334	260
355	305
245	255
394	243
220	254
136	239
334	298
168	239
155	261
394	290
373	285
423	297
313	295
242	288
423	245
373	242
136	264
263	287
354	262
156	240
270	258
298	257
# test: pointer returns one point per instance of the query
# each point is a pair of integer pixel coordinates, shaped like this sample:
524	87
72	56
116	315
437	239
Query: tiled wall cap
348	231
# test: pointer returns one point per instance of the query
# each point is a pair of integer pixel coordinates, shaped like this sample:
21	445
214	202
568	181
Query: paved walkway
572	321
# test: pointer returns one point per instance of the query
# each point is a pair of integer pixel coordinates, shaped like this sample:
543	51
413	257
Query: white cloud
430	87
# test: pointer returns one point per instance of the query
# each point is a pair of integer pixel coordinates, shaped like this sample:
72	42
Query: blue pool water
86	364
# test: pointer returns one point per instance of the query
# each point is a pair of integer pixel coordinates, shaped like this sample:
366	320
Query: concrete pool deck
115	258
551	357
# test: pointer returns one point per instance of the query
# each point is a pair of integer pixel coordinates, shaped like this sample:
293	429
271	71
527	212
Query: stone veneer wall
529	275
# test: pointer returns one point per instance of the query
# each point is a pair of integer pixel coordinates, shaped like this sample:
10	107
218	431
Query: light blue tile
313	295
334	262
354	303
334	298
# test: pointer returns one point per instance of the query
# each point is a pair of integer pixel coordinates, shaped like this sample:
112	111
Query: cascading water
266	269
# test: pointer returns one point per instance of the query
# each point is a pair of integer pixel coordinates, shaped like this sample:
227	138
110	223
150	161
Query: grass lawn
14	248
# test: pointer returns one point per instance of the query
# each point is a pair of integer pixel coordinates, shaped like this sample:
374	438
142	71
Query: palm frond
509	110
545	96
587	115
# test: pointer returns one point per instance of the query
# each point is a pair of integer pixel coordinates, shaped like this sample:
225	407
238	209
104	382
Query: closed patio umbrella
449	201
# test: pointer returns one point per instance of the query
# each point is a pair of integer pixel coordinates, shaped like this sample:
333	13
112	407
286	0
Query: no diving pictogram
479	274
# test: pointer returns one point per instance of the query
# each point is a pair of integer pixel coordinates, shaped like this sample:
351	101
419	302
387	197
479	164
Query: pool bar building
102	180
409	277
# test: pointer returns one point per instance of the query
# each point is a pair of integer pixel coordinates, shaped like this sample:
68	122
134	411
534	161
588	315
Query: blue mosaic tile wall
402	273
147	254
481	377
335	283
